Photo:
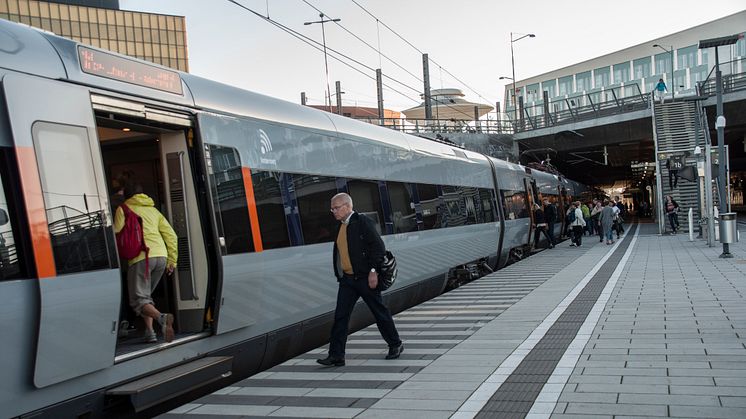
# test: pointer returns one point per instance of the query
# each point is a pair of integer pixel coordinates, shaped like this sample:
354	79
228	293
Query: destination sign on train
114	67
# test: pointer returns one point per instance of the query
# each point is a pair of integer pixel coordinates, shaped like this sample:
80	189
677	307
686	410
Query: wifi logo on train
265	147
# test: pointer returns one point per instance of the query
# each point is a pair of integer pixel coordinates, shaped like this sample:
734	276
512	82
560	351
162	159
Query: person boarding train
144	271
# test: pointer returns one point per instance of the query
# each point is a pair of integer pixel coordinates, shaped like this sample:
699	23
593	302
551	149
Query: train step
157	388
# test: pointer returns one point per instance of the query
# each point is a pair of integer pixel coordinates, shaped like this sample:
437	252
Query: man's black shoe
329	361
395	351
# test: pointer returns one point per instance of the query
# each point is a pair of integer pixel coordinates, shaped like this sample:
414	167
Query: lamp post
512	66
720	125
672	81
328	98
510	78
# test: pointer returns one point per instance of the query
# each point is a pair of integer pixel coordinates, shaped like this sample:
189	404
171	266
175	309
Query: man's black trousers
350	289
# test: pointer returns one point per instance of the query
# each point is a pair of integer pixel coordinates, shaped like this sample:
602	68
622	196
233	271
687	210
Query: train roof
34	51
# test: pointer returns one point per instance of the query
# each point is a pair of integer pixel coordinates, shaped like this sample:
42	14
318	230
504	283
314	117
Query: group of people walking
600	217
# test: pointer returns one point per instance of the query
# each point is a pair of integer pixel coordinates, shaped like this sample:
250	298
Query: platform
652	326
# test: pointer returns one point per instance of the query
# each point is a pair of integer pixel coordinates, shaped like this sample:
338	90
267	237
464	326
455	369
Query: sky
468	41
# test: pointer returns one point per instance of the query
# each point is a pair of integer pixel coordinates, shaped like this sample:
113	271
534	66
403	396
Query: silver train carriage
245	180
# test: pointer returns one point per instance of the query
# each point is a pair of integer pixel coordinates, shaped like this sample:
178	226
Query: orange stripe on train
253	215
36	212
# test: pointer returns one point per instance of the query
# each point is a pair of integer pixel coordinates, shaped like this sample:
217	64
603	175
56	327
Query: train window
402	207
459	206
314	194
229	199
515	204
486	207
366	199
79	225
431	206
270	208
9	265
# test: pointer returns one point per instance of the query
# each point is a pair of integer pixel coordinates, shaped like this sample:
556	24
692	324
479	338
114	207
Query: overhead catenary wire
315	44
378	50
395	63
417	49
318	46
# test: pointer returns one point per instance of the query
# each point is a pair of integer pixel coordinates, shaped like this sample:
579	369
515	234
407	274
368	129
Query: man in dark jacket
550	214
358	252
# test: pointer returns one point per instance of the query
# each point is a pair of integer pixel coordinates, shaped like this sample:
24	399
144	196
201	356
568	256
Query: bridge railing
733	80
418	126
581	107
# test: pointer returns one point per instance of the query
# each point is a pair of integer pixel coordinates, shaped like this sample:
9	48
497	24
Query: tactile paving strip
518	393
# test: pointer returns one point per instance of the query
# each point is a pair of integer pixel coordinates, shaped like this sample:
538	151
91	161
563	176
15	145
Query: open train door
69	224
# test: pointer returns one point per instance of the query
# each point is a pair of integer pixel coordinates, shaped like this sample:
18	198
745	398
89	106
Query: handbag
388	272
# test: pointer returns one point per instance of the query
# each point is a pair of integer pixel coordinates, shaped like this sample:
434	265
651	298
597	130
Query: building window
565	85
583	81
686	57
602	77
641	68
663	63
550	87
621	72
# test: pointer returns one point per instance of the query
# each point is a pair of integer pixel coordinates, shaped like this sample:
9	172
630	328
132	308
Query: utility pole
379	90
338	86
303	98
426	78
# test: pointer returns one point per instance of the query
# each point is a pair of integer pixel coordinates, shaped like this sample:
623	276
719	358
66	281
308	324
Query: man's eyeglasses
336	208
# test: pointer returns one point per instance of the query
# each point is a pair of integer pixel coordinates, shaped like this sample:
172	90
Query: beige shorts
140	288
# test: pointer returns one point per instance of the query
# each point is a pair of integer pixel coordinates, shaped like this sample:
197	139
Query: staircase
678	132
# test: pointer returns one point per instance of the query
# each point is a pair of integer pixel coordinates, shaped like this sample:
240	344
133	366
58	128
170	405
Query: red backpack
131	239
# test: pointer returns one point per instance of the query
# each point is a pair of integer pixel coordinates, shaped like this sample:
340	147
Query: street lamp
512	66
672	81
720	125
328	98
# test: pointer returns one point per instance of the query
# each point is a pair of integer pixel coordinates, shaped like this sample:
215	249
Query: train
245	180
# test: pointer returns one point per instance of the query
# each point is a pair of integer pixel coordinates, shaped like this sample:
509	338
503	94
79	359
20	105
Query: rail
732	81
583	107
424	126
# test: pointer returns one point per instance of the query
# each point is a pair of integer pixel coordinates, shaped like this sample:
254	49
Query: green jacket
586	211
159	236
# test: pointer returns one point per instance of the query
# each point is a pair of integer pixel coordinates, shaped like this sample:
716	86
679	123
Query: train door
69	224
155	153
532	197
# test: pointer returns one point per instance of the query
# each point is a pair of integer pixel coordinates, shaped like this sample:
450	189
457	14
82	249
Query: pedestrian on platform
586	218
541	227
607	221
145	270
550	215
357	257
595	214
672	211
660	90
578	223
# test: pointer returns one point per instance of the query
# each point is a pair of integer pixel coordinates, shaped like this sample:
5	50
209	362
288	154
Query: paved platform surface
653	326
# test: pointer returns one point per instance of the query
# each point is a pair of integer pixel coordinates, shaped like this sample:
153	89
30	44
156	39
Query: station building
100	23
634	70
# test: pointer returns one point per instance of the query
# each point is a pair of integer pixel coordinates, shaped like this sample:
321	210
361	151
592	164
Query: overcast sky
468	38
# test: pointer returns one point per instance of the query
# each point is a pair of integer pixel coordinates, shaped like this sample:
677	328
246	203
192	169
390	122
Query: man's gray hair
347	199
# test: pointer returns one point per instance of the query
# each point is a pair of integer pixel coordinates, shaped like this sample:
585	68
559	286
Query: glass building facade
637	76
160	39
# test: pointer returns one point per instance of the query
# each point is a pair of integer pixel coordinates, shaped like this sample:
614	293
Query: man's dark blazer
364	245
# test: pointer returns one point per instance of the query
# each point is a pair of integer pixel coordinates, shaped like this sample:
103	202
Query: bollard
690	218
